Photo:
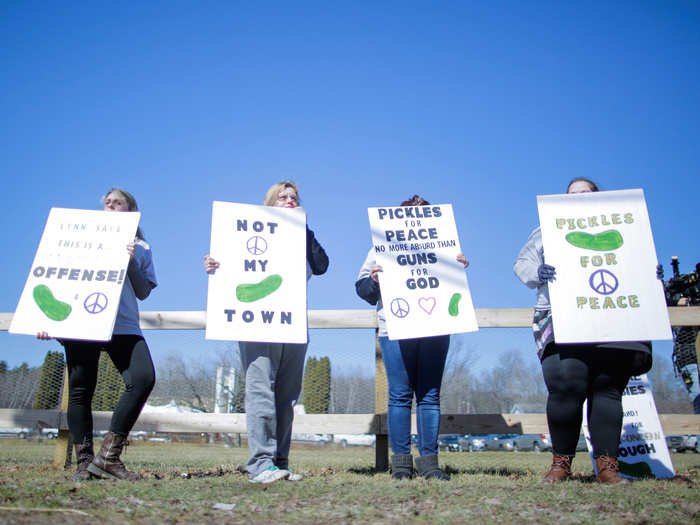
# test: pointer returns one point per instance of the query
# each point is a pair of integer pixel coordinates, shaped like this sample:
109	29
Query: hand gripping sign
602	248
424	288
259	291
76	279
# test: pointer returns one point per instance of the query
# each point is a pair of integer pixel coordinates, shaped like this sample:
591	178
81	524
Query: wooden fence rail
332	423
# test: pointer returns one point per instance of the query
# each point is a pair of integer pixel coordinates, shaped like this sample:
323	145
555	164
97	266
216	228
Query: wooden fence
331	423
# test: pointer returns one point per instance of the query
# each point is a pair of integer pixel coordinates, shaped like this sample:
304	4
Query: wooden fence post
63	454
381	407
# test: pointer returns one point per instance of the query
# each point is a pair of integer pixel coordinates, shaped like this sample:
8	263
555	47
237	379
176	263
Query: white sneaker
270	475
293	476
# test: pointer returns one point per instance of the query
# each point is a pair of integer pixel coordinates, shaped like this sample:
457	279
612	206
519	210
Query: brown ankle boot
107	463
608	469
84	454
560	469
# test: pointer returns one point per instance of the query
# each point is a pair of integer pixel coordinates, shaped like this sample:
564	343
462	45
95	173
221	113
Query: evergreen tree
48	394
317	385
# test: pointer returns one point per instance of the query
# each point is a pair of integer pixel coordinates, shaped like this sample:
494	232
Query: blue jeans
414	366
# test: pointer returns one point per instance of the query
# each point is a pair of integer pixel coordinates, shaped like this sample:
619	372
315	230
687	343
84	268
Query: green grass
340	487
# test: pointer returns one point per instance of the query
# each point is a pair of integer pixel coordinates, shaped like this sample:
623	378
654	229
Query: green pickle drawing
636	470
600	242
453	309
53	308
248	293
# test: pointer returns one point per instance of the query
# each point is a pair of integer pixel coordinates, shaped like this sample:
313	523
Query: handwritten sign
76	279
606	287
643	451
424	288
259	291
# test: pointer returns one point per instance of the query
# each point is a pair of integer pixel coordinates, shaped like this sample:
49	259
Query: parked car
355	440
49	433
681	443
16	432
319	439
535	442
449	442
503	442
472	443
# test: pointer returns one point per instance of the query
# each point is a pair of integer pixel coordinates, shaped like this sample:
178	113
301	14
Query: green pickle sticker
53	308
453	309
248	293
600	242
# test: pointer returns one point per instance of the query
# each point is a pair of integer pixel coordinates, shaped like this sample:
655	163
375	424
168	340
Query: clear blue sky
482	105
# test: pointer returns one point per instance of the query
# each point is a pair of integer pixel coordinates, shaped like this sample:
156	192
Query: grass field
183	483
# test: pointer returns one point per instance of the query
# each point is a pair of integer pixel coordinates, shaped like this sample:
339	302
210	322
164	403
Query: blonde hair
130	202
274	192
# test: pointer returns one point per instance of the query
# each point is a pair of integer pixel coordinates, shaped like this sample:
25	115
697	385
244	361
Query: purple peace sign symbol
95	303
399	307
256	245
603	282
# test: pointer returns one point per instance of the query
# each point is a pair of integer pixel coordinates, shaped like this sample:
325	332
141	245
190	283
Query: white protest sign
643	451
76	279
424	288
259	291
602	248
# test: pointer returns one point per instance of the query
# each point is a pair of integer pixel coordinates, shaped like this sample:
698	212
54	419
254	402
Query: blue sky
482	105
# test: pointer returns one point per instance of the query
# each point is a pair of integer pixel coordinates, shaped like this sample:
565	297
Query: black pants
574	373
131	357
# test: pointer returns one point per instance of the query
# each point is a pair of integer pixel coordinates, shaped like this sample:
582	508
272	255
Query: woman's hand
210	265
546	273
131	248
43	336
374	272
461	258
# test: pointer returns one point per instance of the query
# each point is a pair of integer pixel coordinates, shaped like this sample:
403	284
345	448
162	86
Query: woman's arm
139	270
529	260
315	254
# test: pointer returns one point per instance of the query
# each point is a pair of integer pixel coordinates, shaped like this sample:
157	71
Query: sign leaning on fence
602	248
259	291
643	451
76	279
424	288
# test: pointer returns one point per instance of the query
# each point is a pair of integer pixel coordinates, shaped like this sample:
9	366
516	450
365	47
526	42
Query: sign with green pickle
602	248
258	293
75	282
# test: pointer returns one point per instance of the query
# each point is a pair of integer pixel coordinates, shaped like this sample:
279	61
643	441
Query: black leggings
131	357
574	373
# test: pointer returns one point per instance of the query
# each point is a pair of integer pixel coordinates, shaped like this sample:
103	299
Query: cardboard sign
424	288
259	291
603	250
76	279
643	451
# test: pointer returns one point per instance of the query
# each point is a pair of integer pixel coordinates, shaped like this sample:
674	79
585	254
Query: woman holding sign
413	367
128	351
274	371
574	373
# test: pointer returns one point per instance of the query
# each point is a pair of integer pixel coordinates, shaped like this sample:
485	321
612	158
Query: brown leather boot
608	469
107	463
84	454
560	469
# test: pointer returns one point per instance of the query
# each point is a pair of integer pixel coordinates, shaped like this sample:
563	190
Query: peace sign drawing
399	307
603	282
95	303
256	245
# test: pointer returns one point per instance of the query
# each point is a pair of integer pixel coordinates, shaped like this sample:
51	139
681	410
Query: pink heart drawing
427	304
